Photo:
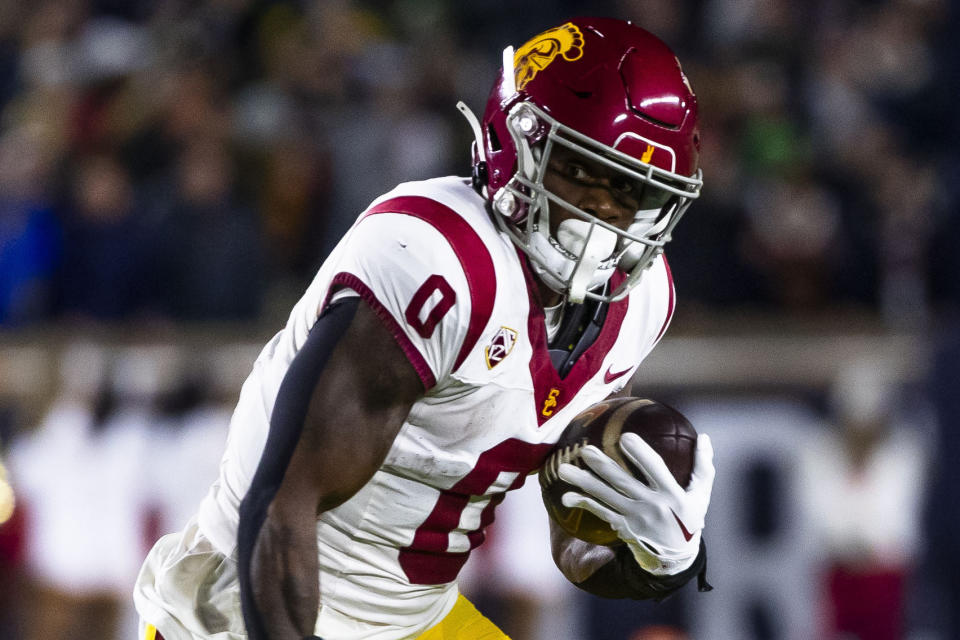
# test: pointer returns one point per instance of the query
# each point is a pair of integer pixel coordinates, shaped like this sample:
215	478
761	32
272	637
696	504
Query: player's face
596	189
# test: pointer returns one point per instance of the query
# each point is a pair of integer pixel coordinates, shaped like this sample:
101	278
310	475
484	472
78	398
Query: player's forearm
577	560
284	582
613	573
592	568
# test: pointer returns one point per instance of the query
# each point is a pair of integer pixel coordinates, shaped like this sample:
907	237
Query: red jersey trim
550	392
470	251
671	302
351	281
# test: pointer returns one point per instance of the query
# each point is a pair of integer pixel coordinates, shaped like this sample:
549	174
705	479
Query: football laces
569	453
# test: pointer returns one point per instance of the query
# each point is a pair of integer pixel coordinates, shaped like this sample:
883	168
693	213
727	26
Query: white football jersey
459	299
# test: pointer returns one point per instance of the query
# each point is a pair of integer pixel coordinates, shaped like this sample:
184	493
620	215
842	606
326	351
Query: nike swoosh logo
686	534
610	376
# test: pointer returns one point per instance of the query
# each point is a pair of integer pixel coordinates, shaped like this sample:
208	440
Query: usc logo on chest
550	403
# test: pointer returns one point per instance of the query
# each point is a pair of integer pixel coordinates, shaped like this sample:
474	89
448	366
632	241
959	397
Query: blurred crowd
165	163
194	161
122	454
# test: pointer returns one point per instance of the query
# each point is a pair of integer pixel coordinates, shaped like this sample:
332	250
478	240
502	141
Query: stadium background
172	173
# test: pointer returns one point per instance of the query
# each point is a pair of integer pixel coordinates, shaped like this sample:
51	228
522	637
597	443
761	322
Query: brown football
661	426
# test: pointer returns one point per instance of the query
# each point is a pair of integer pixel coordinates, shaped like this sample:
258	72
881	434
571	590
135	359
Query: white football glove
661	524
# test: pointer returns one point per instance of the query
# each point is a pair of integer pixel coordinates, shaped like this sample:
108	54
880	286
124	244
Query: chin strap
478	174
475	127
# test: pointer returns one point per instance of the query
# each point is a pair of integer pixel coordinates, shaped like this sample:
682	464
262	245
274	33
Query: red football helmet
615	94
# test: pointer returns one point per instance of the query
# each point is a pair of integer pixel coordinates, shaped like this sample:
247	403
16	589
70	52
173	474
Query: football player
437	356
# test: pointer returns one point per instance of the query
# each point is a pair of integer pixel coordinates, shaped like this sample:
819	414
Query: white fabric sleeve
408	273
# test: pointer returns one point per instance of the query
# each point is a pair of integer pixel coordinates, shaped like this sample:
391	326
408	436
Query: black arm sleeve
622	577
286	426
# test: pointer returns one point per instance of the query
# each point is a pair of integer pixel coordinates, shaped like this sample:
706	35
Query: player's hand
660	523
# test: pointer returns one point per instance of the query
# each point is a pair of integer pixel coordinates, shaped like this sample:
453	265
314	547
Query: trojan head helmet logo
565	40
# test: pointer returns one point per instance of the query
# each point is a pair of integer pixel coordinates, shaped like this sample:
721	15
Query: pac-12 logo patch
500	346
565	40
